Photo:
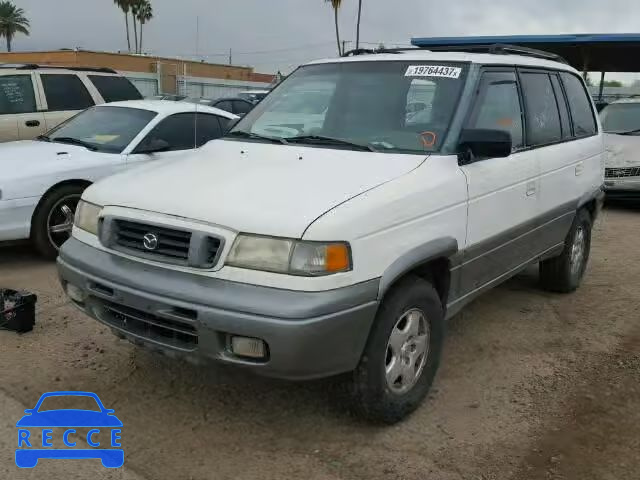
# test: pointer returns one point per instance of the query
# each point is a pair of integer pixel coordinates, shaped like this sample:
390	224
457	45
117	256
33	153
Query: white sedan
42	180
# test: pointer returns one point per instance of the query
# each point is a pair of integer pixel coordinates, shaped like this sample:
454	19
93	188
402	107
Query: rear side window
207	128
498	106
65	92
16	94
225	105
115	89
565	121
543	118
584	122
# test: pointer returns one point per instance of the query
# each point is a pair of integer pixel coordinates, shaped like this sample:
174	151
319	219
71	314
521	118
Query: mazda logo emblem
150	241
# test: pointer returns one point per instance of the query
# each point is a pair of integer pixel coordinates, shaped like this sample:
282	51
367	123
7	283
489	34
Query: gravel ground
532	386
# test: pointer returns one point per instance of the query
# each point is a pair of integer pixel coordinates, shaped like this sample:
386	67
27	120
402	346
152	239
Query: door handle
579	169
531	189
32	123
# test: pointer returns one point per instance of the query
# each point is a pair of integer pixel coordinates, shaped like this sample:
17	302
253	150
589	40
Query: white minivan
301	248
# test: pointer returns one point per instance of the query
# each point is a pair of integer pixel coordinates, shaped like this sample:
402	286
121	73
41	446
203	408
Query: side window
241	108
177	131
114	88
225	105
498	106
584	121
65	92
543	118
565	122
207	128
16	94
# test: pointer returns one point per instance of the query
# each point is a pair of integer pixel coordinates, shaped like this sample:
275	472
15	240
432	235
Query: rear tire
392	377
56	211
564	273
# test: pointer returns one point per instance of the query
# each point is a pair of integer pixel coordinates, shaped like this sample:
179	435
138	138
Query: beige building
153	74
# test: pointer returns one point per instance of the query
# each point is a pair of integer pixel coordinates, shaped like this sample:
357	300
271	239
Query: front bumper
309	334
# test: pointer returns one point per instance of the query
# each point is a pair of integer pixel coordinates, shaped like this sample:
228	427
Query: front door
502	191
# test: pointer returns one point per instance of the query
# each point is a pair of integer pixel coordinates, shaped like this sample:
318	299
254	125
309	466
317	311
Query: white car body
31	168
462	223
622	164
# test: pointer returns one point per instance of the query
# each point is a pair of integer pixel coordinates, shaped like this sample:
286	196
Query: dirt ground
532	386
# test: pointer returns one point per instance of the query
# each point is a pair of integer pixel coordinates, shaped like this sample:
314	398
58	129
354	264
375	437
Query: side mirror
476	144
154	145
29	411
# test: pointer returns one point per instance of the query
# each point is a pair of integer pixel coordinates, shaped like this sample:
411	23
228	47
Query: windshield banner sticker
433	71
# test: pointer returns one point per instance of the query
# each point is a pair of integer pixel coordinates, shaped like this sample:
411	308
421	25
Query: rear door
502	191
64	95
20	118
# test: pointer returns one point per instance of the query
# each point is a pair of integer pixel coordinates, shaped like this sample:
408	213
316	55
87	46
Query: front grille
622	172
161	243
179	335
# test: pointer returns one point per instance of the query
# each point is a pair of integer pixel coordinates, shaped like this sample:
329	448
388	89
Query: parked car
169	97
341	247
621	123
43	179
254	96
37	98
237	106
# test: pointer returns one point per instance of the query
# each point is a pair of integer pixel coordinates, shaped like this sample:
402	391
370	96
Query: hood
622	150
253	187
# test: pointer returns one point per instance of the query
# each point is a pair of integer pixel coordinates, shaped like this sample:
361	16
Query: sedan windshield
621	118
103	129
382	106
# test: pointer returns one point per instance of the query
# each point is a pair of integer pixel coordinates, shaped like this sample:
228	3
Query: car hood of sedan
254	187
69	418
622	151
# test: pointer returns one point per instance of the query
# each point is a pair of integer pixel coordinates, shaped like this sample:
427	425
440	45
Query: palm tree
12	21
125	6
358	29
145	13
135	8
336	6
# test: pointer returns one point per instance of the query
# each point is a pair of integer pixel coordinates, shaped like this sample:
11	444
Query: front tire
402	354
564	273
53	219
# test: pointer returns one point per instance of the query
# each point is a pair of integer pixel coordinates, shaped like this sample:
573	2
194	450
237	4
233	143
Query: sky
273	35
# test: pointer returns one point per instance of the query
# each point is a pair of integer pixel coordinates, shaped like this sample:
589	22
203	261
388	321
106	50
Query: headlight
294	257
87	215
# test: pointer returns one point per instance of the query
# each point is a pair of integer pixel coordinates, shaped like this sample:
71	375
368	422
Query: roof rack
495	49
34	66
499	48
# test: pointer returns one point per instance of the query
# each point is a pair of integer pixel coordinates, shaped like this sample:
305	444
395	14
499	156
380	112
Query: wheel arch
430	261
76	181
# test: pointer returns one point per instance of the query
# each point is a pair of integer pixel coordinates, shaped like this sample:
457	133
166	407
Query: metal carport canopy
612	52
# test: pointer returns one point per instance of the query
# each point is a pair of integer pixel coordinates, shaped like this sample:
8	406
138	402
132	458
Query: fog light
75	293
248	347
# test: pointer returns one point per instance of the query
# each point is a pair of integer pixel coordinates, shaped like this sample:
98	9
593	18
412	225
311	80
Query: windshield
66	402
621	117
104	129
388	106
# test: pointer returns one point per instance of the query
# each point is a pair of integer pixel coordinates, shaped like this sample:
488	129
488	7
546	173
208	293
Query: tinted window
177	130
584	122
241	108
498	105
115	89
65	92
565	121
207	128
108	129
225	105
16	94
543	118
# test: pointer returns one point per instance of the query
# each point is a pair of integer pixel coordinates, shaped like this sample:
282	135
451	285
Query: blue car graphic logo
36	434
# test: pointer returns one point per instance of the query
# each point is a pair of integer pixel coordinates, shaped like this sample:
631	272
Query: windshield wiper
630	132
43	138
243	134
321	140
75	141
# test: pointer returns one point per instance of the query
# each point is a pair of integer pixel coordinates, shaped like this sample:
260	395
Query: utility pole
230	57
197	35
